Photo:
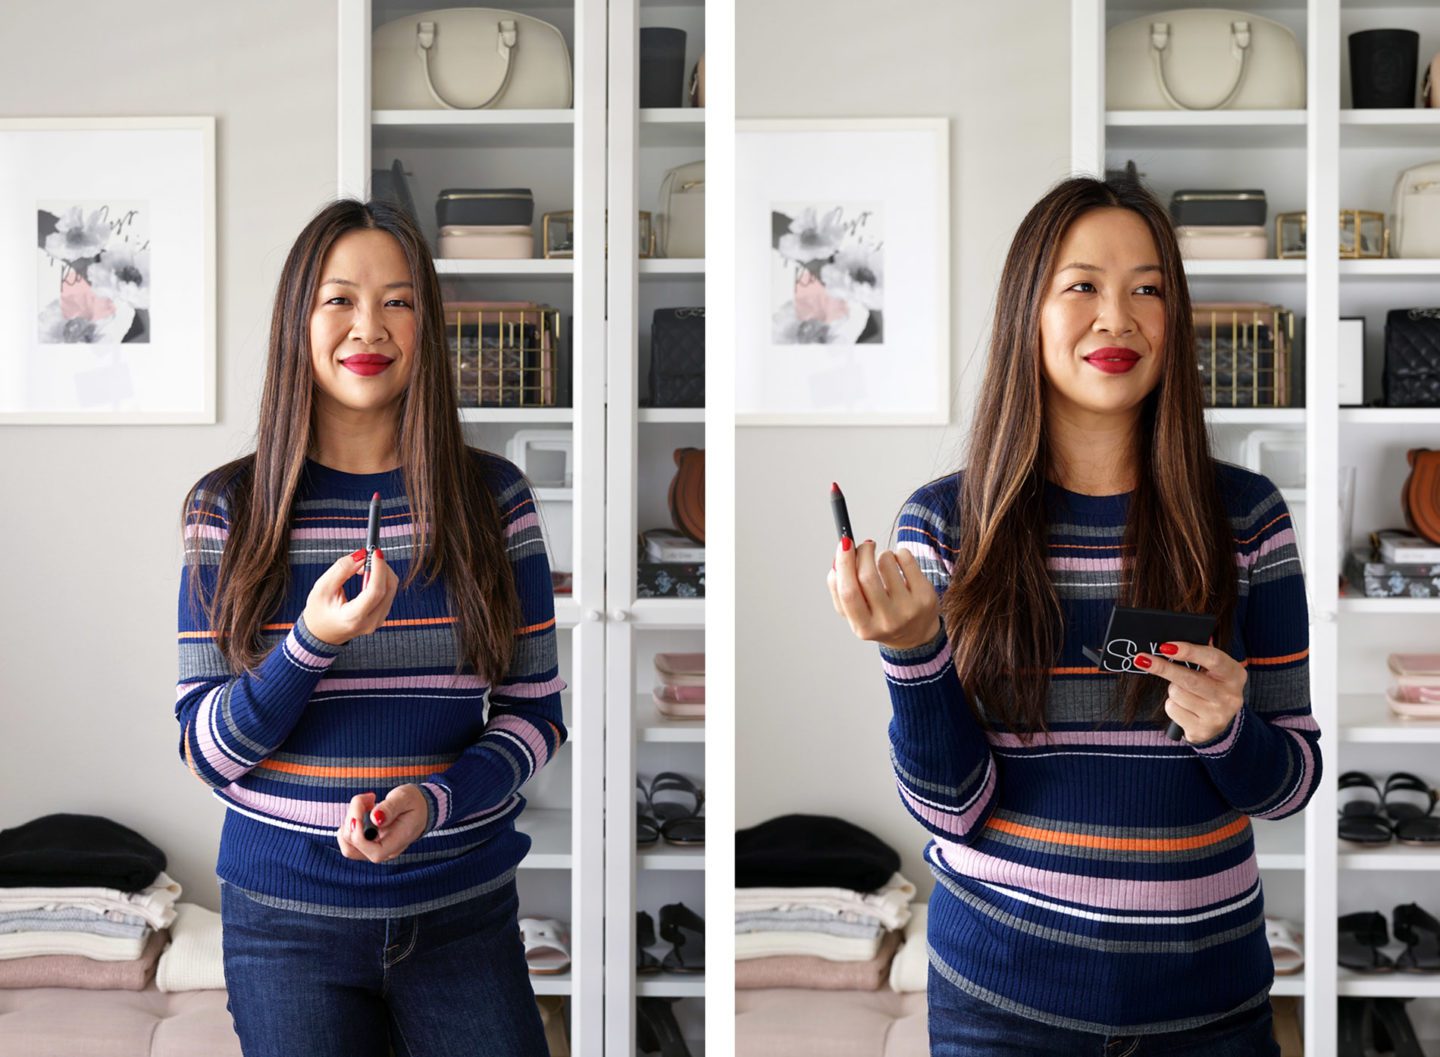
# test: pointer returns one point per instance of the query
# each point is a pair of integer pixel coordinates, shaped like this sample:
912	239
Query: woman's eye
1148	286
399	301
334	299
392	301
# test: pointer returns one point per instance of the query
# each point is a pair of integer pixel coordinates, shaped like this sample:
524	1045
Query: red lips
364	358
1113	352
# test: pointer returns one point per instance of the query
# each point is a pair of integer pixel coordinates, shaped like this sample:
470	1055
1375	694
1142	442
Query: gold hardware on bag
484	194
505	352
557	234
1248	340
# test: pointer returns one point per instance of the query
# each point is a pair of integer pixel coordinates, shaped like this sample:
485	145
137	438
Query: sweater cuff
305	638
1222	743
435	811
915	654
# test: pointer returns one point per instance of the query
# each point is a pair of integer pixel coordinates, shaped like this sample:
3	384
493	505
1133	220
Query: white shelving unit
1317	159
602	154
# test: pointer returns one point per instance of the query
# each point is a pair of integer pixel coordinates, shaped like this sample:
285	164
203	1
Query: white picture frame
861	337
107	240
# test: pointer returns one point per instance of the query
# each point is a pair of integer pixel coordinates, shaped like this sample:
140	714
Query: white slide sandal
547	945
1285	949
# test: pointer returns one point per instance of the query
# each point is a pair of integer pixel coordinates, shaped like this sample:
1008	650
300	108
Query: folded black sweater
79	851
802	851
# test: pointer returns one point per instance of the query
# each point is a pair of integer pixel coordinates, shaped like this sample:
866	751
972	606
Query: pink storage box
1214	242
491	242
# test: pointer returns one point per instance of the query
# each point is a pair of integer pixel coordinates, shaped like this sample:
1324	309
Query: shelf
1387	985
551	984
1280	845
535	415
402	129
671	415
1391	268
664	856
1367	719
1262	269
567	612
1390	416
669	612
549	830
671	985
1204	129
1289	985
521	268
1388	857
1256	416
1389	128
651	726
673	267
1414	607
672	127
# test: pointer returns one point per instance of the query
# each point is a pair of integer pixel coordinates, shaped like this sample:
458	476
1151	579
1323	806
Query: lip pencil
841	512
372	537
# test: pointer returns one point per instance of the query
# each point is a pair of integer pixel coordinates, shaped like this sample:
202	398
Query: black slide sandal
1393	1031
645	962
1361	817
1360	938
685	929
1413	824
679	824
647	830
656	1030
1354	1028
1421	933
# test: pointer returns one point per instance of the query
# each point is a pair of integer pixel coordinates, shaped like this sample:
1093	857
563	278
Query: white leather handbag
682	211
1415	212
1203	59
470	58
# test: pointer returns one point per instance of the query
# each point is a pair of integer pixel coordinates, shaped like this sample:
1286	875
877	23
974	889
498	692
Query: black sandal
1393	1031
647	830
1421	933
1362	819
645	962
1412	823
656	1030
679	823
1356	1028
1360	939
686	930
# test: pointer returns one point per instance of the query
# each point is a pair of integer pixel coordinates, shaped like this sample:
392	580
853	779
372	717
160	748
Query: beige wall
90	515
811	705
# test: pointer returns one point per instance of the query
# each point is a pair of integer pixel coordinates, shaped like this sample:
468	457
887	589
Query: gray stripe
1155	1027
1278	689
955	792
1090	943
376	913
231	733
1242	838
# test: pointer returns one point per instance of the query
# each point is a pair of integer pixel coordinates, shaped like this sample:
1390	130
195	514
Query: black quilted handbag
1412	357
677	357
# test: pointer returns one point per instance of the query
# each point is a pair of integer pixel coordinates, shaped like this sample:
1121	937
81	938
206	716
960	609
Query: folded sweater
77	970
155	905
69	849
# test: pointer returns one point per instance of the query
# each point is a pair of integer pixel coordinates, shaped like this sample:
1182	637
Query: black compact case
1245	208
493	206
1133	631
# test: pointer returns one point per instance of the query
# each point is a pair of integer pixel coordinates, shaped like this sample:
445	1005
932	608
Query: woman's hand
1202	702
333	619
884	596
400	817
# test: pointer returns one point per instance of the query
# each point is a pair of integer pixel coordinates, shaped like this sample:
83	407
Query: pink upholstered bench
68	1021
794	1022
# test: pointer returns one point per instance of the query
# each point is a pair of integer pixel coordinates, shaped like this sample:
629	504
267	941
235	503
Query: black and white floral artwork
827	274
94	273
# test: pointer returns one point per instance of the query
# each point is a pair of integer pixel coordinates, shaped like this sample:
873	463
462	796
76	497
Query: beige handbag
682	211
1203	59
1430	89
1415	212
697	83
470	58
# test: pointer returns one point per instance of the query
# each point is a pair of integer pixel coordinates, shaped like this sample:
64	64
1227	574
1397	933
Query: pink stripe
399	682
520	523
1108	892
311	812
1305	722
1304	788
530	690
1222	747
948	821
206	531
442	803
386	532
924	550
184	688
1097	565
228	768
526	732
915	671
1081	737
1274	543
296	647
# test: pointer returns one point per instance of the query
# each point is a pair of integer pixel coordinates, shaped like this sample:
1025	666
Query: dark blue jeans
448	981
964	1026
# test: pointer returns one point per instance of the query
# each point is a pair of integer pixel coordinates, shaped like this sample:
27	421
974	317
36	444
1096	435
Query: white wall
90	572
811	705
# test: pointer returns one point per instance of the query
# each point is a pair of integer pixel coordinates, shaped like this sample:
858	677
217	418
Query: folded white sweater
890	903
193	961
155	904
815	944
88	944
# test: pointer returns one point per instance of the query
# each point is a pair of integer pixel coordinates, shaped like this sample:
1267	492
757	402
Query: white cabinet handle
619	616
592	615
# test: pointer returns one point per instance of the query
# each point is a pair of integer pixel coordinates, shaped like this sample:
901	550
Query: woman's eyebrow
347	282
1096	268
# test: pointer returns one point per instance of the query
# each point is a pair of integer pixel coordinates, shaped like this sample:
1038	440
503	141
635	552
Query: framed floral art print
107	248
842	272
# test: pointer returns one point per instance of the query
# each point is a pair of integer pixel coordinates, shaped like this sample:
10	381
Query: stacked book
1415	694
1395	566
671	565
679	692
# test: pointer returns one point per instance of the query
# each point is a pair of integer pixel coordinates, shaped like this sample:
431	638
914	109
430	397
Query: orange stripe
1283	659
348	517
210	514
1257	535
1091	546
188	758
914	528
315	771
506	516
1121	843
417	622
536	627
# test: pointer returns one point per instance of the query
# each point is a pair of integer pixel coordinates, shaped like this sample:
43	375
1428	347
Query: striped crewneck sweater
1104	880
287	747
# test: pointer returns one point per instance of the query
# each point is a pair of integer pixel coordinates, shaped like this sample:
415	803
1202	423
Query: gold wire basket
503	353
1244	350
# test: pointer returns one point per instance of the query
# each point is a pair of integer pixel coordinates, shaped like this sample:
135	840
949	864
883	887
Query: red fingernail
358	554
379	817
845	543
352	823
1142	661
1169	649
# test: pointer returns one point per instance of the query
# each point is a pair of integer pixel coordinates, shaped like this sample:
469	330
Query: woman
1096	883
304	705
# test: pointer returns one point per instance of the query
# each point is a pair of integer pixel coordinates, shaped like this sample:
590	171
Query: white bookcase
604	156
1319	159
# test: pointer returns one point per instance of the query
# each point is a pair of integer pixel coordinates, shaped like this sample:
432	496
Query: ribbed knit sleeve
230	723
942	761
524	727
1266	763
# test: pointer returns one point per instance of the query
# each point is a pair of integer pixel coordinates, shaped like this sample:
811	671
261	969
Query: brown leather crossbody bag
1421	494
687	493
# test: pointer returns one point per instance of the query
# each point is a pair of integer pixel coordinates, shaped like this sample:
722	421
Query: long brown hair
448	488
1001	609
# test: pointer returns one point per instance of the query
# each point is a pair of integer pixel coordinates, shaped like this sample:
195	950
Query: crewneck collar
327	479
1103	508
